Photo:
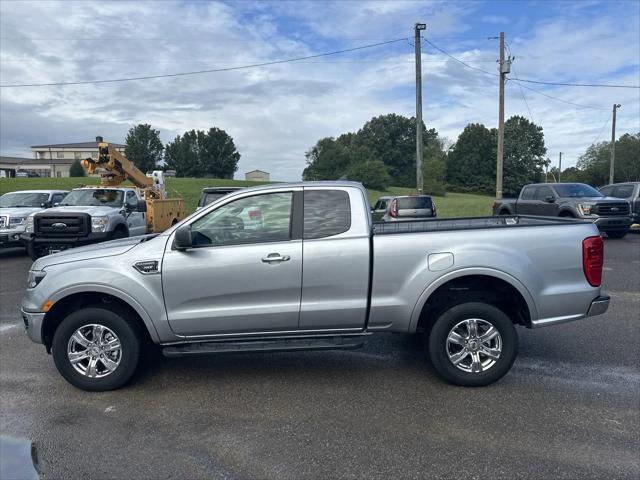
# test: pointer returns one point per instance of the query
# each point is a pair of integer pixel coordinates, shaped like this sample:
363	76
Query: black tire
115	321
616	233
438	346
504	213
566	214
118	234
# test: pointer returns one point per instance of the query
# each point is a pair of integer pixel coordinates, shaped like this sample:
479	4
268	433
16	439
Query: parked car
630	191
85	216
210	194
570	200
15	208
315	275
403	208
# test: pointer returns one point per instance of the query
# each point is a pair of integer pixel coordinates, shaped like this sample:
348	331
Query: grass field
452	205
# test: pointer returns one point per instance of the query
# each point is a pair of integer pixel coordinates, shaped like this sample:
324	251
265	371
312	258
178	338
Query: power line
517	80
564	84
213	70
556	98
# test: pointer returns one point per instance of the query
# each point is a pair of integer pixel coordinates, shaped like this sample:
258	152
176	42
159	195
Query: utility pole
560	168
505	67
613	142
419	146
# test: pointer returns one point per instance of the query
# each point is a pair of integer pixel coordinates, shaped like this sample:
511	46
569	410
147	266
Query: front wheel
616	233
96	349
473	344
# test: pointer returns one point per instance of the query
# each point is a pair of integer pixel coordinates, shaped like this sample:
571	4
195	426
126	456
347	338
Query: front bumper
62	243
613	223
33	325
11	237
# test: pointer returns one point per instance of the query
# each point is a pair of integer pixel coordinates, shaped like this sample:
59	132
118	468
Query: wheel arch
472	283
76	297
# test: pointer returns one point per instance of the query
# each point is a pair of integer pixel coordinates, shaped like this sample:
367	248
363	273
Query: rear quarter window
326	213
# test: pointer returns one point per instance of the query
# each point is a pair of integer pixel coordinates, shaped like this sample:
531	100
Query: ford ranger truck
570	200
15	208
309	270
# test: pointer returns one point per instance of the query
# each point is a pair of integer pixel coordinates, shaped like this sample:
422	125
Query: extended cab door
244	272
335	279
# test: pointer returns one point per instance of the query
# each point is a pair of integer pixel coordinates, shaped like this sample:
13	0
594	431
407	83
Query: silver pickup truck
302	267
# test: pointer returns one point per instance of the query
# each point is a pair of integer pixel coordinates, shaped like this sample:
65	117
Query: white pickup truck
311	271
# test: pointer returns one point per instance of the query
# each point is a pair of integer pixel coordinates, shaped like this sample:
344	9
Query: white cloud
276	113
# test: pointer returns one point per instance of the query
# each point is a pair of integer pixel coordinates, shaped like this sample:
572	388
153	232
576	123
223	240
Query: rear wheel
96	349
473	344
616	233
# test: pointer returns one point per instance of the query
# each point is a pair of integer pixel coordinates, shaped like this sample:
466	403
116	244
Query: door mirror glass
141	206
182	239
549	199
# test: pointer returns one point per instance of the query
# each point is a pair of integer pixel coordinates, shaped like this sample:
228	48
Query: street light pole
613	142
419	146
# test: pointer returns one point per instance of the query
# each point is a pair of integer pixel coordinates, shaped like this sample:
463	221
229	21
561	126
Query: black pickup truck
574	200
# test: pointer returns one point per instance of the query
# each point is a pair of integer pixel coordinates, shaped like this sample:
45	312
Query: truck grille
611	209
77	225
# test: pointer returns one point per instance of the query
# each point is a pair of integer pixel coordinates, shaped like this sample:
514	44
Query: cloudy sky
276	113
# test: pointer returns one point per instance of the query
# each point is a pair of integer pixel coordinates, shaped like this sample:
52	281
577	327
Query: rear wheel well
62	308
475	288
505	212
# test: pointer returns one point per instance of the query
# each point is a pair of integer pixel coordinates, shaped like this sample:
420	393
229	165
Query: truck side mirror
550	199
141	206
182	239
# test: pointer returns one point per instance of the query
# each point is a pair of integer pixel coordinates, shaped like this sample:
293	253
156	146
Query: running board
266	345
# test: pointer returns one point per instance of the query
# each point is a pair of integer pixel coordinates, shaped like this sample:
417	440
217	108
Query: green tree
434	169
371	172
144	147
392	139
524	154
329	159
471	164
595	162
76	170
197	153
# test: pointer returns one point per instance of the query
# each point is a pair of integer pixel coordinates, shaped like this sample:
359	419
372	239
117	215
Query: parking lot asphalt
570	407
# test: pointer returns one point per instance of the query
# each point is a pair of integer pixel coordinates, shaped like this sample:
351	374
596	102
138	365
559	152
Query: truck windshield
94	198
22	199
577	190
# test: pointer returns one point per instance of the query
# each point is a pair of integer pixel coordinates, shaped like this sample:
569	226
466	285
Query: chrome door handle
276	257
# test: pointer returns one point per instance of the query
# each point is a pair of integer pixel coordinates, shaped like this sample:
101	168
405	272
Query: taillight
593	259
394	209
493	205
433	209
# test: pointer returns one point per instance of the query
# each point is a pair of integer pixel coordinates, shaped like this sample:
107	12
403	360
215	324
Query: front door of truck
135	220
243	273
545	202
526	204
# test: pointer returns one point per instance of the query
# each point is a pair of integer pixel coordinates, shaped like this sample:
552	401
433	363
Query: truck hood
19	211
98	250
93	211
593	199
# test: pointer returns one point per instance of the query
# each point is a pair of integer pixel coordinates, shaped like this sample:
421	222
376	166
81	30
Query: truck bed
468	223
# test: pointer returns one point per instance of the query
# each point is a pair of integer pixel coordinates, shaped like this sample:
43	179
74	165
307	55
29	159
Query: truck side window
256	219
528	193
607	191
544	192
132	199
623	191
326	213
380	205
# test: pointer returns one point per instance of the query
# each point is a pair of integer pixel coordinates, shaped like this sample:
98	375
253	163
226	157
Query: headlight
15	221
35	277
28	228
585	208
99	224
